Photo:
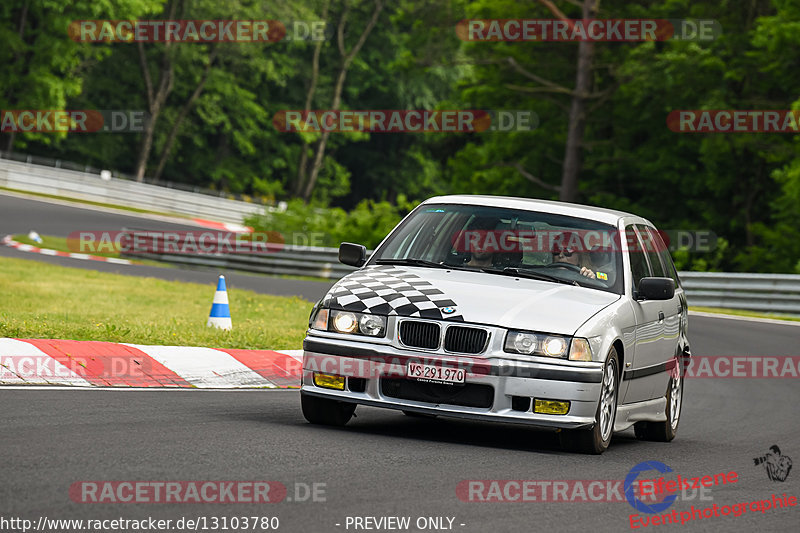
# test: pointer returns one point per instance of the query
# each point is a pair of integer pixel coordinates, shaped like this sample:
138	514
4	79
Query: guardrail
263	258
777	293
88	186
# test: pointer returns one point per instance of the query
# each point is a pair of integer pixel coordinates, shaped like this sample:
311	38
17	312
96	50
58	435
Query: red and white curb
108	364
8	241
225	226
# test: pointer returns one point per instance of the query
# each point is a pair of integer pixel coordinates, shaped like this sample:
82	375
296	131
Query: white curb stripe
205	367
294	354
13	348
8	241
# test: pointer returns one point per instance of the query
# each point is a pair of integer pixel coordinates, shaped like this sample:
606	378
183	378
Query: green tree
42	66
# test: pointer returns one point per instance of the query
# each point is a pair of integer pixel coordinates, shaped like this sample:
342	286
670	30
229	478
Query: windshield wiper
513	271
419	262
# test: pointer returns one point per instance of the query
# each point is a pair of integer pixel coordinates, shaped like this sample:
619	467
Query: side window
639	268
652	251
666	259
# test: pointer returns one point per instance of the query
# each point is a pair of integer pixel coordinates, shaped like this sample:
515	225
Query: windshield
501	241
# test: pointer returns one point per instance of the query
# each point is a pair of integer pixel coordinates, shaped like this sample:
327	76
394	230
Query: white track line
745	318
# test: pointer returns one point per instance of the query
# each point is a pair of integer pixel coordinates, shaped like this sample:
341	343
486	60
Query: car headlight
350	322
529	343
344	322
521	342
372	325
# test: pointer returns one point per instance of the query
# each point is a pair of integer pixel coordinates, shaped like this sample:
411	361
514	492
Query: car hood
475	297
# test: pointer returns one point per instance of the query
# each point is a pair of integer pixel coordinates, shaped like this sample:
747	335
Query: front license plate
438	374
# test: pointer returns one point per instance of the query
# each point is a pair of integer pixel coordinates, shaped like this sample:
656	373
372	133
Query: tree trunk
577	113
312	88
173	133
347	59
23	20
323	141
155	100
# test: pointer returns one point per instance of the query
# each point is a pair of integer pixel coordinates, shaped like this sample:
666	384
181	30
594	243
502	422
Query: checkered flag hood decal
388	290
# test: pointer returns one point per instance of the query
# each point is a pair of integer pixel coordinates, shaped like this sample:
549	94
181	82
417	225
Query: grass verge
47	301
740	312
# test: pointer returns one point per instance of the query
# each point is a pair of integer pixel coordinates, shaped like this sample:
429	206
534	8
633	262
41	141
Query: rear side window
652	249
639	268
666	259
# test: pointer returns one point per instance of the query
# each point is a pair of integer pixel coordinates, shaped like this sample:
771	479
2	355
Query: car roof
600	214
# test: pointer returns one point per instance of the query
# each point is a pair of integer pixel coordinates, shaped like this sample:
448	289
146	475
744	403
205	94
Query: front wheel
665	431
326	412
596	440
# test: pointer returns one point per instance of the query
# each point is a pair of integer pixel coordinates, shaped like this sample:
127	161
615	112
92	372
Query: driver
564	253
481	255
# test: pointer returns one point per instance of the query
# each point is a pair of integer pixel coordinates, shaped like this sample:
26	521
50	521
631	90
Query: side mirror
655	289
352	254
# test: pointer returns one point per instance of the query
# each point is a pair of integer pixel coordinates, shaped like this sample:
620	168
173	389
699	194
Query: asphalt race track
382	463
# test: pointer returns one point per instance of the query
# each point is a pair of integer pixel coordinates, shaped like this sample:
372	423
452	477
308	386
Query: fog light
550	407
328	381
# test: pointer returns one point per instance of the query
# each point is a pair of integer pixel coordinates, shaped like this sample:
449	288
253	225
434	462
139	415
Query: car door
649	318
670	309
676	309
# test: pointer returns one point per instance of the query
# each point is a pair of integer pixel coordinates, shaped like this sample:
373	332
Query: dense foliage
215	127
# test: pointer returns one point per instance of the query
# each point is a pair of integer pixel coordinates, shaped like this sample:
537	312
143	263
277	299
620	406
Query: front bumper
371	364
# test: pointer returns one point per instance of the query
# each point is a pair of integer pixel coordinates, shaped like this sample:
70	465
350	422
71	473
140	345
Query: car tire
326	412
596	440
665	431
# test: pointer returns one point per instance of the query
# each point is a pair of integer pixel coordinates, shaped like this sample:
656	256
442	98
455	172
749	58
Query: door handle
661	316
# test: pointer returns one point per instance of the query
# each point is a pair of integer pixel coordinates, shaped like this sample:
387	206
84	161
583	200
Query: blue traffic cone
220	315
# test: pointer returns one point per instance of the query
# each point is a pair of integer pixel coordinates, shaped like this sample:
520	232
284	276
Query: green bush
316	224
